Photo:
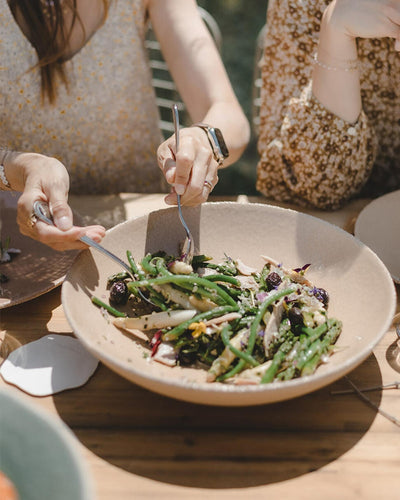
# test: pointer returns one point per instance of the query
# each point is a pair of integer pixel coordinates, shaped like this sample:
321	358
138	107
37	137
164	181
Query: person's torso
104	127
290	50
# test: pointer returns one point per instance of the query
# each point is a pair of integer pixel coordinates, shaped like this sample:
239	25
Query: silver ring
208	185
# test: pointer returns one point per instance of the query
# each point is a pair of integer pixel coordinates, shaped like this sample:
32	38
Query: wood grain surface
140	445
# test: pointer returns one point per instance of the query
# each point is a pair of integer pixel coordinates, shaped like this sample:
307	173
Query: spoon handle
42	212
94	244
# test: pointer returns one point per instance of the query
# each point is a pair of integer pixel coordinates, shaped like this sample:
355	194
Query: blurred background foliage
240	22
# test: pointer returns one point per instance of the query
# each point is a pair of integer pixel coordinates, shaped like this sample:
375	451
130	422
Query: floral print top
308	155
104	128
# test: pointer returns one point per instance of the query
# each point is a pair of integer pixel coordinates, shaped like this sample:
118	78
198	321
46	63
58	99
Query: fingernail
63	223
179	188
169	176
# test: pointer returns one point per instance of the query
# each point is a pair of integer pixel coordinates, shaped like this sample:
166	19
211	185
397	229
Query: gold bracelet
351	65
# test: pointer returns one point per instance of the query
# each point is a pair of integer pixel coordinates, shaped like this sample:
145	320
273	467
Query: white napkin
49	365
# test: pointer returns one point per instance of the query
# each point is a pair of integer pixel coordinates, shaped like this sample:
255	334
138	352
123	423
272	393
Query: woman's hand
192	171
44	178
342	23
366	18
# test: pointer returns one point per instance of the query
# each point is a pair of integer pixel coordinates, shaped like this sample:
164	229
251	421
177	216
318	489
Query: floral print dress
308	155
105	127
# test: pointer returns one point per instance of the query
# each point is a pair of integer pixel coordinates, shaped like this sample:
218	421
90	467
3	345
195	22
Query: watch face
221	142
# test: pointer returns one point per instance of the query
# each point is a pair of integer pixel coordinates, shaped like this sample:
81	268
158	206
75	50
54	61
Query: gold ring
32	219
208	185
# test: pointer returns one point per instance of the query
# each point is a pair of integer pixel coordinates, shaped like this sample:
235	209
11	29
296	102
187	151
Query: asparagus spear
308	352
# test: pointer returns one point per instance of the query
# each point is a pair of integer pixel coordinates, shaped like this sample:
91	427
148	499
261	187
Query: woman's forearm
336	81
198	71
230	119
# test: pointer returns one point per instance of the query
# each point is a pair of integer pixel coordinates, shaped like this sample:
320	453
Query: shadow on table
217	447
23	312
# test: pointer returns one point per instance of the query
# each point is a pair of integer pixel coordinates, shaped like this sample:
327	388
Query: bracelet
352	65
3	177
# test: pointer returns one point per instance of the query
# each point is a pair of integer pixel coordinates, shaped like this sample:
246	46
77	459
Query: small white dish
378	227
49	365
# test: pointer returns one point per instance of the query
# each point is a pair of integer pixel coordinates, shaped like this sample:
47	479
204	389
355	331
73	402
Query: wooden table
141	445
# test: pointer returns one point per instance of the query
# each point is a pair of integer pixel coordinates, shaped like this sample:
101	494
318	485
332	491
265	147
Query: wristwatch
216	140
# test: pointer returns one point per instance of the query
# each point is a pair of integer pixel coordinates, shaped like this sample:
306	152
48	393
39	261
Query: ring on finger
32	219
208	185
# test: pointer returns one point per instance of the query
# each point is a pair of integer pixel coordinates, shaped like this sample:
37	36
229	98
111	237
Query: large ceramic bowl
38	454
361	292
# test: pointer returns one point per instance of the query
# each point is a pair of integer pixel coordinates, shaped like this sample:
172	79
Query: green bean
199	290
316	332
311	348
307	339
147	266
326	345
221	268
224	278
277	360
135	270
293	352
225	335
306	348
308	353
109	308
204	316
161	267
155	297
272	297
314	357
235	293
245	321
287	374
182	278
158	299
310	367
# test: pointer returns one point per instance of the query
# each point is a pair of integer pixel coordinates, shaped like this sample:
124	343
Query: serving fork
188	244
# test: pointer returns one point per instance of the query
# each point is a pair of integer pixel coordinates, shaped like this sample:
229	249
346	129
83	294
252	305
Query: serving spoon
42	212
188	244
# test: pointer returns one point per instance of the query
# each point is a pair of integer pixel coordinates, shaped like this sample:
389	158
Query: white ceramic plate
378	226
37	269
361	292
39	454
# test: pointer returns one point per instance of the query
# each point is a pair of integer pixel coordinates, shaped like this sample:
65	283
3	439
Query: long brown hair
48	34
